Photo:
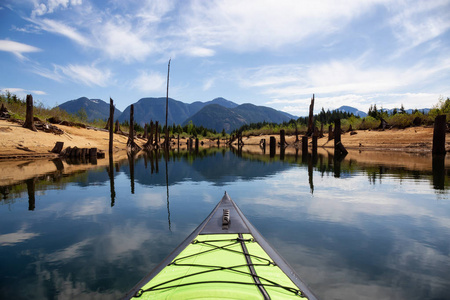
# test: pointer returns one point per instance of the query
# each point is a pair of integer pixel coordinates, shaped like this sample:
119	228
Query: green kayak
224	258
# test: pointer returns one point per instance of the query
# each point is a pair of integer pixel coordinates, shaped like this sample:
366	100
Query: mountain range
217	114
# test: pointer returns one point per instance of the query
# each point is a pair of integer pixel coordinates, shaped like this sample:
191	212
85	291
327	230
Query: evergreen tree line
189	129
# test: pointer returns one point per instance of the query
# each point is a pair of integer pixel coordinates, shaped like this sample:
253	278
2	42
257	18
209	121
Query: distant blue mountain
95	108
215	116
352	110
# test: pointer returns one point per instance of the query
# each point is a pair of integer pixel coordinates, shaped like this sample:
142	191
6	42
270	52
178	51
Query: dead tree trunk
166	139
282	138
58	147
311	117
29	122
156	133
440	127
272	146
338	147
152	130
149	144
117	129
110	123
330	133
131	129
304	144
145	131
131	145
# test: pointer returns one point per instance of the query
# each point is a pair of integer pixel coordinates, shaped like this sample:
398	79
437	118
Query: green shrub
369	123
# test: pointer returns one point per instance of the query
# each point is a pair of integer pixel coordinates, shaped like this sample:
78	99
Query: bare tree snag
131	129
110	124
330	133
152	129
29	122
166	139
440	127
311	117
304	144
131	145
149	144
145	131
272	146
338	147
282	138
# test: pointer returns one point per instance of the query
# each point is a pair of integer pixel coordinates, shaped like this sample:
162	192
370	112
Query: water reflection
221	167
110	171
351	229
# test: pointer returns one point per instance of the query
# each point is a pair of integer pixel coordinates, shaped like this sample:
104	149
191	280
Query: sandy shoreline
14	138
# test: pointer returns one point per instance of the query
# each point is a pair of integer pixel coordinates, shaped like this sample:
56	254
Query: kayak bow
225	257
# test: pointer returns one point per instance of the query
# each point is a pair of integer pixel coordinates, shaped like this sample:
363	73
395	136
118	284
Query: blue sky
273	53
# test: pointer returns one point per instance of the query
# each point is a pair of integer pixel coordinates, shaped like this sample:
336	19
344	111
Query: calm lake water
351	231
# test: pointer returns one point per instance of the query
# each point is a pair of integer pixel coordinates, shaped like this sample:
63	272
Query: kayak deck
223	259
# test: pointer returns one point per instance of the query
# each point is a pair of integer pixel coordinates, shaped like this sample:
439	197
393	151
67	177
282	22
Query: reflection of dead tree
31	186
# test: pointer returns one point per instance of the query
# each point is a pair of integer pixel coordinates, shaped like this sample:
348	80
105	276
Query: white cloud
50	6
88	75
61	28
71	252
352	82
120	40
17	48
149	82
152	11
200	52
254	25
37	92
150	200
415	22
208	84
22	93
10	239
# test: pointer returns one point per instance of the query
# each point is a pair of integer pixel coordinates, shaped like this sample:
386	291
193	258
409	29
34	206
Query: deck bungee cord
214	268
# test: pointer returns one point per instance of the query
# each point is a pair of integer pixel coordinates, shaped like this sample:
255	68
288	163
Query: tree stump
272	146
29	122
58	147
304	144
282	138
440	127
